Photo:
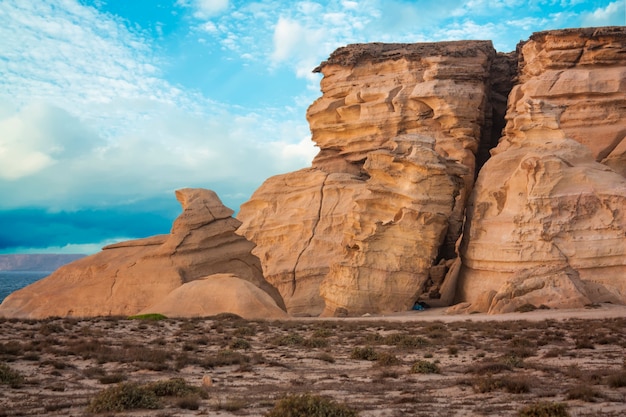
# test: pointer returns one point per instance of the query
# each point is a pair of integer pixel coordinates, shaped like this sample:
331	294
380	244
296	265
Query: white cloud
209	27
37	137
204	9
289	38
88	119
168	149
528	23
611	15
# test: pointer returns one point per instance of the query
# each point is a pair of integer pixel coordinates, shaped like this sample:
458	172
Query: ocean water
14	280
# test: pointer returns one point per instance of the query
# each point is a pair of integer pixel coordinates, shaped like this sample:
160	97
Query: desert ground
571	362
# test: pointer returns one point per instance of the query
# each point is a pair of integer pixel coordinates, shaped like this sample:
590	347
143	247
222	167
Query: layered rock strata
132	276
398	127
547	220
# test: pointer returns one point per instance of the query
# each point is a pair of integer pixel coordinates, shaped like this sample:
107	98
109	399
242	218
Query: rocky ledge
399	205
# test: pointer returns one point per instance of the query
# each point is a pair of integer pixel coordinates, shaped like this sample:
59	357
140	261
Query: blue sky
108	106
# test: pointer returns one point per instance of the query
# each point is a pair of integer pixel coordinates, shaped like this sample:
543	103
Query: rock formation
216	294
398	127
547	220
390	212
132	276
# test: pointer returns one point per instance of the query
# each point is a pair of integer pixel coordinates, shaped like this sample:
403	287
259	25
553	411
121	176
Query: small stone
207	381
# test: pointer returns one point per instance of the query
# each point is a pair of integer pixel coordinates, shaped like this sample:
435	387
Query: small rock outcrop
398	127
546	223
129	277
217	294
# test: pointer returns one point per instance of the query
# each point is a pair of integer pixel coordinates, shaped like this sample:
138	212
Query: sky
108	106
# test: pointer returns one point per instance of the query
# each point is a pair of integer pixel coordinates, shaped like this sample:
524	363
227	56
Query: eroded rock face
550	205
131	276
398	126
572	84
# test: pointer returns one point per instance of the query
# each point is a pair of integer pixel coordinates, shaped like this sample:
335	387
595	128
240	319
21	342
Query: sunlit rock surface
127	277
398	127
549	208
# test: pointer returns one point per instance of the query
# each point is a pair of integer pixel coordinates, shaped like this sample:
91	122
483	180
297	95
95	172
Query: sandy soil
485	365
599	311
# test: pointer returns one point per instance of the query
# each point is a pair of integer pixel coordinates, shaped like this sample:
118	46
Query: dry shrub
516	385
133	396
126	396
112	378
489	368
315	343
405	341
386	359
424	367
366	353
175	387
544	409
224	358
326	357
308	405
10	377
486	384
617	380
291	339
189	402
240	344
584	393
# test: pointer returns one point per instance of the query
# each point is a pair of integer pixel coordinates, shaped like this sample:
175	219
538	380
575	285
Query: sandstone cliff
131	276
398	127
547	220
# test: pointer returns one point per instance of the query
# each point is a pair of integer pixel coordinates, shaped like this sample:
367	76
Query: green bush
308	405
424	367
10	376
544	409
126	396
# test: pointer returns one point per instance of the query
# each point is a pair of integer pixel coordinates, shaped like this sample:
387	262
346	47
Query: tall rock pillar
398	127
546	224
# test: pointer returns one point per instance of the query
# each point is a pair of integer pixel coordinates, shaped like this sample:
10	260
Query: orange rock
215	294
125	278
398	127
545	213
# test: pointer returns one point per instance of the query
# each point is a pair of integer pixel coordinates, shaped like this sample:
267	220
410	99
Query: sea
14	280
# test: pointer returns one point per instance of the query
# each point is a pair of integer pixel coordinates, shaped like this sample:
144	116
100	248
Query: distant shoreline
36	262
